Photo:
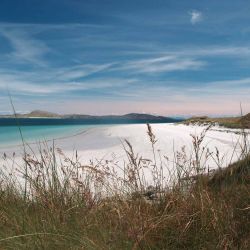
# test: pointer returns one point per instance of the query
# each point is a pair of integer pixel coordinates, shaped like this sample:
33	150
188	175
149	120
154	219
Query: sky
114	57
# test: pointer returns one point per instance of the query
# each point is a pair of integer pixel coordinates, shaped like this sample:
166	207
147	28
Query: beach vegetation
53	201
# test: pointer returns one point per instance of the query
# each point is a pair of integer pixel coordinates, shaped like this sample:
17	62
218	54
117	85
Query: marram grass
70	206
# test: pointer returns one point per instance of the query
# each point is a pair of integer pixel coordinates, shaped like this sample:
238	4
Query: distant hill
33	114
40	113
56	119
131	116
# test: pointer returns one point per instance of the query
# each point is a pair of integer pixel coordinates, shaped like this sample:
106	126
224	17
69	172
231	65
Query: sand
106	142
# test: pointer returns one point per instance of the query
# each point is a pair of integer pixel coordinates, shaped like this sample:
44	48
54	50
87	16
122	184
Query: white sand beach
106	142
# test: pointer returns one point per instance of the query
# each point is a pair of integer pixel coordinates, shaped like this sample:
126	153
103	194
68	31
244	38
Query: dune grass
67	205
228	122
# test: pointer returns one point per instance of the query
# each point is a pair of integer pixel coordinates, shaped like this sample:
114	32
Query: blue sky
115	57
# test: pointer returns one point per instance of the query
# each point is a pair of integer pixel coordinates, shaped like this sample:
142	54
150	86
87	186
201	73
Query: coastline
106	142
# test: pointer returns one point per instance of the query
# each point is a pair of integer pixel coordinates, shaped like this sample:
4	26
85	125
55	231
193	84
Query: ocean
10	135
43	129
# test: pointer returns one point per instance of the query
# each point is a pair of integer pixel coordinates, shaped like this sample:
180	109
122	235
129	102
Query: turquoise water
10	135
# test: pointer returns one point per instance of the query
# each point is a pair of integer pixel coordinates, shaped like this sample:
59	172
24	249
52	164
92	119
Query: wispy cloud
25	48
43	84
79	71
95	63
39	27
175	91
195	16
186	97
162	64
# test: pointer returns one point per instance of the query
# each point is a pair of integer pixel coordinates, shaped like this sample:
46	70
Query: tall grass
108	205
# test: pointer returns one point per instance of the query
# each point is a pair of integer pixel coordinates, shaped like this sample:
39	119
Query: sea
13	131
14	135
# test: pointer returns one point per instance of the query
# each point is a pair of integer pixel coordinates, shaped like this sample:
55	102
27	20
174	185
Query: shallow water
10	135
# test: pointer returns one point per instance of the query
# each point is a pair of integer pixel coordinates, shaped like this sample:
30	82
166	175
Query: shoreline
106	142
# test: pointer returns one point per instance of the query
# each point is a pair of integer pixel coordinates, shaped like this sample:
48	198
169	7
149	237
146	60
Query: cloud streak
32	84
161	64
80	71
26	49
